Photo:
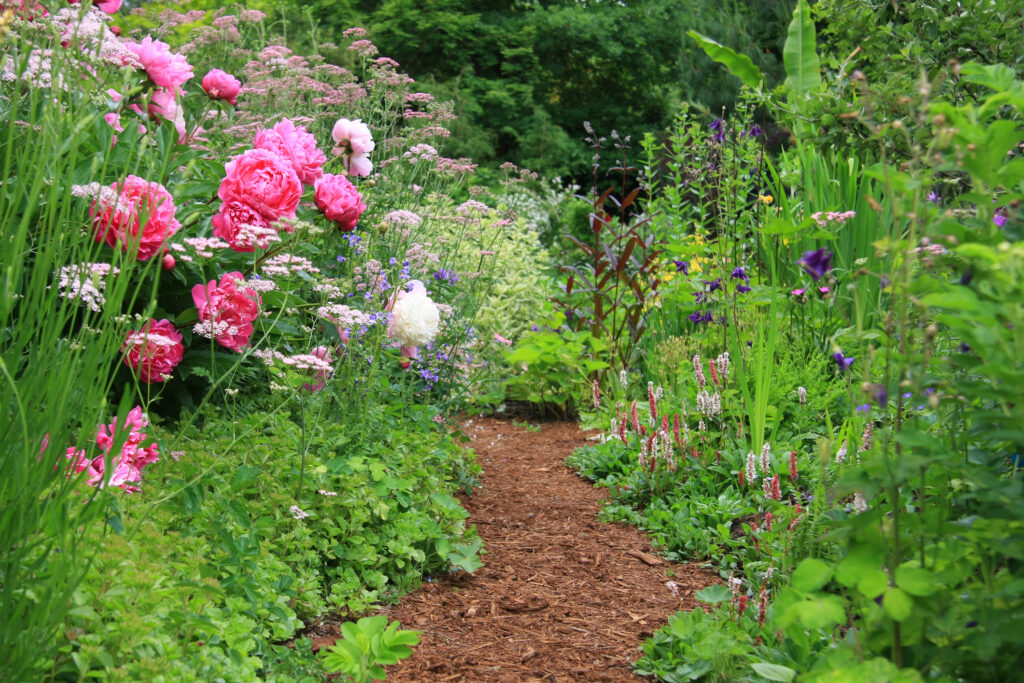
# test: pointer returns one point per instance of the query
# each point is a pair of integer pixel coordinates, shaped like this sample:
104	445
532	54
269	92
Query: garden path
562	596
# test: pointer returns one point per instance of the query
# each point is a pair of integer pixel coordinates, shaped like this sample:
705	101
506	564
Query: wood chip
646	558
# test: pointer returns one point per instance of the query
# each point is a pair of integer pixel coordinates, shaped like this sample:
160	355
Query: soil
562	596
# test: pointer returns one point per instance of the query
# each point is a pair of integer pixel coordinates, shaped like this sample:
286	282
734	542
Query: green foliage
556	364
366	646
739	65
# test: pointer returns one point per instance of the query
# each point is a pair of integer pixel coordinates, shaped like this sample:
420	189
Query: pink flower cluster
153	351
294	144
227	310
165	68
259	187
127	469
119	222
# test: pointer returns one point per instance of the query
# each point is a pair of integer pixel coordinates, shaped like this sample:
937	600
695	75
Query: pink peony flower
162	104
118	222
107	6
227	310
294	144
220	85
242	227
154	351
354	142
339	200
165	68
127	468
352	137
264	181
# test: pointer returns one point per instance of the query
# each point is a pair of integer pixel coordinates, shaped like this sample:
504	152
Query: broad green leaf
995	76
916	581
859	561
774	672
713	595
739	65
873	583
897	604
799	54
811	574
822	612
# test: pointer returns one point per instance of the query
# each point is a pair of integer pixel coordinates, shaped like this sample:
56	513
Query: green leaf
811	574
774	672
859	561
873	583
916	581
799	54
739	65
713	595
897	604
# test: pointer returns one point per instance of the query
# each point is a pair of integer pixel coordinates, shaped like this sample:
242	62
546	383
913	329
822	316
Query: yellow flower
765	198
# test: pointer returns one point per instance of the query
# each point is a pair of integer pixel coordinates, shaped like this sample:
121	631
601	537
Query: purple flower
1000	217
817	263
718	125
699	297
742	289
712	285
841	360
754	131
695	317
445	275
739	274
933	197
698	317
798	292
881	396
682	267
863	407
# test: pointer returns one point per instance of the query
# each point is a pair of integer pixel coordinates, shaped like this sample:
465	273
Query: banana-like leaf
799	54
739	65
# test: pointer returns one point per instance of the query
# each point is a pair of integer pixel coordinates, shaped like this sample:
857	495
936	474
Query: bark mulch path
562	596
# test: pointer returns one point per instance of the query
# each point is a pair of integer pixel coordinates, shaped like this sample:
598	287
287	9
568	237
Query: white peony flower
415	318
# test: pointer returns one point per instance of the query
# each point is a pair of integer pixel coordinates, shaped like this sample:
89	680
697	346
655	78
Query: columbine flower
682	267
739	273
718	125
817	263
842	361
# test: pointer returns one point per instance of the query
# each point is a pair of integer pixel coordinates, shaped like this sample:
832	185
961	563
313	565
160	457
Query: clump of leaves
367	646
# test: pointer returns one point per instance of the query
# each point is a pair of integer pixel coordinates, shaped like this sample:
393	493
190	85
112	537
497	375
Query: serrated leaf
713	595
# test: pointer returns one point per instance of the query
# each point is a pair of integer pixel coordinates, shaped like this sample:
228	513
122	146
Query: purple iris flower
842	361
817	263
682	267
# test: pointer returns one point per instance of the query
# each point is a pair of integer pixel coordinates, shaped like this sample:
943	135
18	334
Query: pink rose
242	227
162	104
227	310
117	222
165	68
153	351
339	200
263	180
220	85
294	144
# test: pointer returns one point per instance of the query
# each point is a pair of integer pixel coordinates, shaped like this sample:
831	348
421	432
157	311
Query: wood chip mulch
562	596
